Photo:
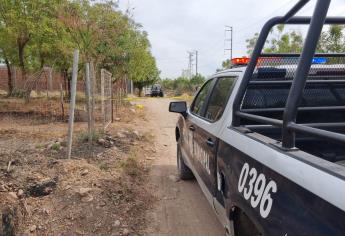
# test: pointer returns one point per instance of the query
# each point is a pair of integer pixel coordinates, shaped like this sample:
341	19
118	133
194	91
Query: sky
176	27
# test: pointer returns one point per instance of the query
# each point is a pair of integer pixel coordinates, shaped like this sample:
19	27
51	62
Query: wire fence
41	107
106	98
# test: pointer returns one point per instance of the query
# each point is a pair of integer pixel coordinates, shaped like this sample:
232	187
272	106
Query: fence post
88	102
92	94
72	102
112	101
50	78
102	98
62	103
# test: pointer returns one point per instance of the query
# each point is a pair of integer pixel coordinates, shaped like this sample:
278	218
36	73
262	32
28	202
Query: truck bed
328	151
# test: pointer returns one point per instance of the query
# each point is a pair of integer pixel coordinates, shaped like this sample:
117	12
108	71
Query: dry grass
116	176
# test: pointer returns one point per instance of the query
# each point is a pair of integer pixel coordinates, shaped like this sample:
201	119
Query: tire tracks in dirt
181	209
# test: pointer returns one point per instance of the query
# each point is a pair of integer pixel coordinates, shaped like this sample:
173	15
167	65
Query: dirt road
181	208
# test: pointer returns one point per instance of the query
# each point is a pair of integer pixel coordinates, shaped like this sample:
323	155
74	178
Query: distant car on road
147	91
156	90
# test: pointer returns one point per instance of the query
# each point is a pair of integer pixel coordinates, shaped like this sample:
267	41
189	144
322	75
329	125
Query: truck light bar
240	61
245	60
319	60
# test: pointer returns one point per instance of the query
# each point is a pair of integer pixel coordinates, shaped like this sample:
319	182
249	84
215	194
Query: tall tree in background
279	41
35	33
8	52
284	42
25	19
332	40
251	43
182	85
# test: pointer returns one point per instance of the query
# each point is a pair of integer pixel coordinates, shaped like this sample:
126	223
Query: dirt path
181	208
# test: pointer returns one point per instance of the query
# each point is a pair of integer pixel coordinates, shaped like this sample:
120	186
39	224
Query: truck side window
219	98
199	101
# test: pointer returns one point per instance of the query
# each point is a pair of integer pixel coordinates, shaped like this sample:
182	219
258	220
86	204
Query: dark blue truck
266	139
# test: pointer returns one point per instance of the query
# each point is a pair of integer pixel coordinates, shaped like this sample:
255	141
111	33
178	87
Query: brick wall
42	83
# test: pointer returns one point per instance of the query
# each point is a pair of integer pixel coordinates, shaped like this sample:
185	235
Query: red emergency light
240	61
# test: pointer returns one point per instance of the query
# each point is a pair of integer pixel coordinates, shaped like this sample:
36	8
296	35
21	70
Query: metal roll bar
288	124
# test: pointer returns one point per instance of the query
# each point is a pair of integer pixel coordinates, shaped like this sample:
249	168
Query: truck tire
183	170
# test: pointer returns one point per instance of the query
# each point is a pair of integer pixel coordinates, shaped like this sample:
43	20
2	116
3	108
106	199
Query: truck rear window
269	88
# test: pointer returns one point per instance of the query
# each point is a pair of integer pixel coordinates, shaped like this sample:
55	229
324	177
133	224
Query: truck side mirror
178	107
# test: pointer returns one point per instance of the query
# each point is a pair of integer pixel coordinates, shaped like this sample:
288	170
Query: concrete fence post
88	101
72	102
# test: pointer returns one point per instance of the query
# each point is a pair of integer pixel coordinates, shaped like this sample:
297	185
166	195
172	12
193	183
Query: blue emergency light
319	60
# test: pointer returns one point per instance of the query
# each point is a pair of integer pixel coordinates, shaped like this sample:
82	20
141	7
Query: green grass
56	146
84	136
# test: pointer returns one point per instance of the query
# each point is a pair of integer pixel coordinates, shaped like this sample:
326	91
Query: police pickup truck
266	139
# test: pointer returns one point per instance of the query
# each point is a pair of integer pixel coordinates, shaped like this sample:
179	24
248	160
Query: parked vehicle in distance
147	91
157	91
266	139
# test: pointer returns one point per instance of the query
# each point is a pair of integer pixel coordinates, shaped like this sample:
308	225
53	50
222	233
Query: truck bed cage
298	82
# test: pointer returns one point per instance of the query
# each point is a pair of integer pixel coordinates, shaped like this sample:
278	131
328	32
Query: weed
103	166
18	93
56	146
131	166
84	136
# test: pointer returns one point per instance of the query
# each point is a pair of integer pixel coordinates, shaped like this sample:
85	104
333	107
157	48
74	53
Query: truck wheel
161	94
183	170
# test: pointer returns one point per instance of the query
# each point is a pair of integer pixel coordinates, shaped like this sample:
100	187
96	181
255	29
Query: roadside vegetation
182	85
39	33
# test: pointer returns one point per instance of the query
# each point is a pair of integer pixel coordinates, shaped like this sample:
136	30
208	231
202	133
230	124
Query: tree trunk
65	81
21	60
9	80
22	41
42	61
140	90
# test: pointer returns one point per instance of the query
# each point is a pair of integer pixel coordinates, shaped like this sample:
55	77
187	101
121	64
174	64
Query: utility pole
190	64
196	62
228	40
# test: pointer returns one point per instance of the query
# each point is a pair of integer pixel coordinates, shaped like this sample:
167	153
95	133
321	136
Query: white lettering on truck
256	191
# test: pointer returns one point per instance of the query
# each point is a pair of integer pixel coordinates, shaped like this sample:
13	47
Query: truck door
197	109
206	125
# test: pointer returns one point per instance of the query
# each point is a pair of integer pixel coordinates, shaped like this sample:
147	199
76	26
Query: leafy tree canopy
35	33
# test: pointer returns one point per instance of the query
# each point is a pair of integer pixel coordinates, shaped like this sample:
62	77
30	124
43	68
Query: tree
284	42
280	41
332	40
35	33
197	80
112	40
183	85
7	53
251	43
25	19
